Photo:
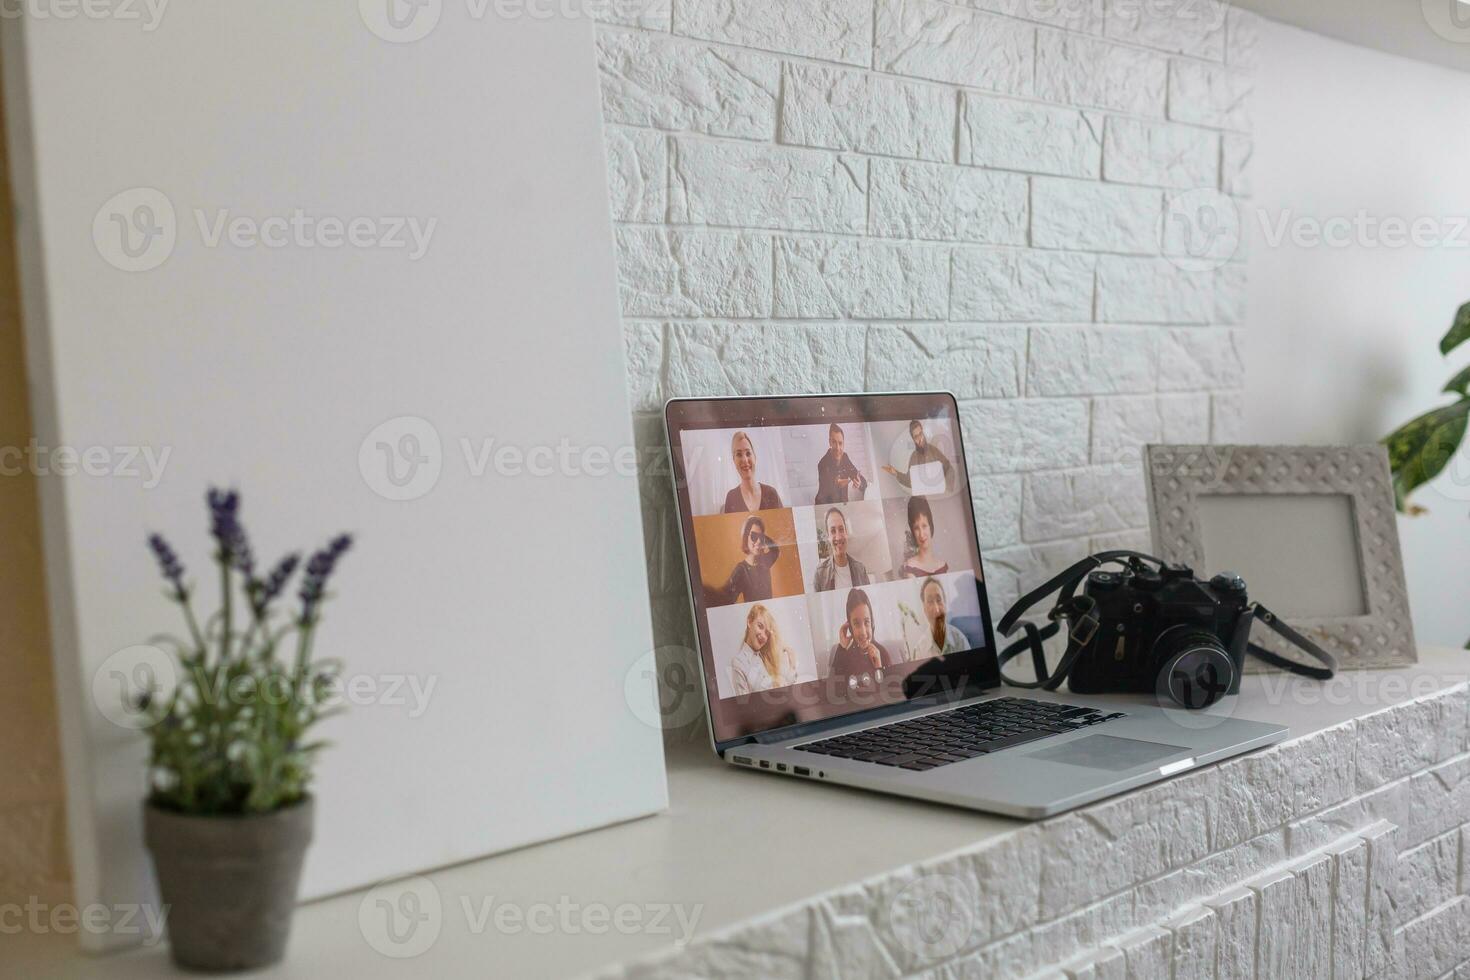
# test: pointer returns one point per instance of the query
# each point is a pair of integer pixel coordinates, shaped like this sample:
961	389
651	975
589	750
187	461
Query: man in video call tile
924	452
838	478
935	635
857	653
839	570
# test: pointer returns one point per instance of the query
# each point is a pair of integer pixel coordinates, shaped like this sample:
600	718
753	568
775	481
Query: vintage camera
1151	627
1163	630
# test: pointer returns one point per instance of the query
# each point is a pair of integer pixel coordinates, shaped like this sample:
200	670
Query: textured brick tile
929	39
637	174
741	184
1086	501
1022	285
1081	71
1092	360
1209	95
1314	938
935	202
717	358
1195	936
1027	136
851	110
1021	435
1097	217
1193	27
1152	290
1383	850
844	277
835	30
1160	154
973	361
1428	875
659	81
675	273
1194	359
1235	941
1349	907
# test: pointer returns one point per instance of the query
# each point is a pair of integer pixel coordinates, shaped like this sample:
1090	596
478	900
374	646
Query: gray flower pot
229	883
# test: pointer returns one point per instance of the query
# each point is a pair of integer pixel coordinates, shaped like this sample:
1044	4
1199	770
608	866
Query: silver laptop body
1136	742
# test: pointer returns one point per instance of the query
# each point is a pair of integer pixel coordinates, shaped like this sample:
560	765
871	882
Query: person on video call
937	635
763	661
750	580
838	478
923	562
750	494
856	651
924	452
840	570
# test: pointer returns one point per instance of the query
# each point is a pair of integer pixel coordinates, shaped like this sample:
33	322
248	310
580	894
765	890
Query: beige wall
33	858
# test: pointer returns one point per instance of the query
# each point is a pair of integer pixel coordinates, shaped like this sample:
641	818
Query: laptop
844	624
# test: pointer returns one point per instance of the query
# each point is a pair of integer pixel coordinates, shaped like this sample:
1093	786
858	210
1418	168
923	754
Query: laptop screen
832	555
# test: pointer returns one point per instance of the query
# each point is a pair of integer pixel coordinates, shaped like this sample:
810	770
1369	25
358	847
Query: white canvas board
345	383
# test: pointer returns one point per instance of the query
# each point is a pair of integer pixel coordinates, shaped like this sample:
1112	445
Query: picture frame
1313	530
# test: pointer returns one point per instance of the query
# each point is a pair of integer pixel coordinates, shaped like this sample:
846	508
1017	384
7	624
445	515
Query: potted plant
229	813
1419	450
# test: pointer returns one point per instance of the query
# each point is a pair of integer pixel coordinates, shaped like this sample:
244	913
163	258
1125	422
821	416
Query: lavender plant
231	738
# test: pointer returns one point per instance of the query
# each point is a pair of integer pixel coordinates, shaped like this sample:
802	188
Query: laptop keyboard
959	734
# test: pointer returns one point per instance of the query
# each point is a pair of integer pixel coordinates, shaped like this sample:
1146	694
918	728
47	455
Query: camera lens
1194	669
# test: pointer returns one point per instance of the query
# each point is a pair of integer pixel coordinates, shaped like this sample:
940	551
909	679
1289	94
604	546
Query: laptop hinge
793	732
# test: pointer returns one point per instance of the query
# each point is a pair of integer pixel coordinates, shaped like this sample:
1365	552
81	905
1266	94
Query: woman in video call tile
839	570
750	579
924	562
857	652
749	494
838	478
763	661
924	452
931	635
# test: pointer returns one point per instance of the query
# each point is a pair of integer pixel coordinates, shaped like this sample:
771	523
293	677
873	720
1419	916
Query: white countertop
732	846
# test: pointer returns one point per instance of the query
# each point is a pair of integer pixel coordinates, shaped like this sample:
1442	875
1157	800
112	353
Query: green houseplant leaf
1459	384
1459	330
1419	450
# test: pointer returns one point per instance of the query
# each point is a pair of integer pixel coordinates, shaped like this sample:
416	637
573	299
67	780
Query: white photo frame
1312	529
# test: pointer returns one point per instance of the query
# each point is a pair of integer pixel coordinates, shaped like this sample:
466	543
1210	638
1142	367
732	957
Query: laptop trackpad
1108	752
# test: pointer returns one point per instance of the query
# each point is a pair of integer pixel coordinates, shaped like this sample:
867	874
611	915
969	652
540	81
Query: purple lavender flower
169	564
264	591
224	524
318	569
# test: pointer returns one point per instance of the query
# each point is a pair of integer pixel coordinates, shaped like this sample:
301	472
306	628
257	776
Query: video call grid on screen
831	557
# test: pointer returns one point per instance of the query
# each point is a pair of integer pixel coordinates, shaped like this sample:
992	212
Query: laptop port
765	764
740	759
780	767
801	770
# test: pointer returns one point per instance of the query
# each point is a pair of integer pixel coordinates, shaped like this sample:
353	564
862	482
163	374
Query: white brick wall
1278	865
895	194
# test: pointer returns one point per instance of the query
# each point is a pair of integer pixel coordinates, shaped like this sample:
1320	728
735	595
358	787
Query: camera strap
1080	613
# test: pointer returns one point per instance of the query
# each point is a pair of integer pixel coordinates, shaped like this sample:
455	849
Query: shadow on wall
33	855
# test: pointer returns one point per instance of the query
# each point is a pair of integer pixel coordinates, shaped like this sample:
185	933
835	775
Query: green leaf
1459	330
1459	384
1419	450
